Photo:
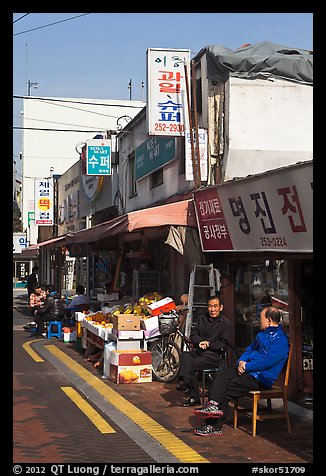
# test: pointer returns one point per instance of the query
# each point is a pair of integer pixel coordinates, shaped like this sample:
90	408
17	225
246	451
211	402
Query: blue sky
95	55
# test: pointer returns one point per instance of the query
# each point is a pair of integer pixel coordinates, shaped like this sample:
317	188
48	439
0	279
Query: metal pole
129	87
142	90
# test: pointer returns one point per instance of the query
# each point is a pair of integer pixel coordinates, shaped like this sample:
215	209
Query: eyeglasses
213	306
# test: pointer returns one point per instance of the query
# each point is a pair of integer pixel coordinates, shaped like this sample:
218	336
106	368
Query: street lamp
29	85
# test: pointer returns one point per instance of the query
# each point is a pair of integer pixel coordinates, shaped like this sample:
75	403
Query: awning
177	213
58	241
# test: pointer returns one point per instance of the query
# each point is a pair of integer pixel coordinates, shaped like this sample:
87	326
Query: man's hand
241	367
204	344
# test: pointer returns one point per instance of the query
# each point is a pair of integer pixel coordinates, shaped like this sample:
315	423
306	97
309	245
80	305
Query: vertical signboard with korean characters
43	195
202	136
167	106
98	157
267	212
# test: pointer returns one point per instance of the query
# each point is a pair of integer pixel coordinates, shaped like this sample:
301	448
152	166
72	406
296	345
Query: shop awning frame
176	213
53	242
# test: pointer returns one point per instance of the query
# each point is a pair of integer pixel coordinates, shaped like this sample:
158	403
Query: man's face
38	291
214	308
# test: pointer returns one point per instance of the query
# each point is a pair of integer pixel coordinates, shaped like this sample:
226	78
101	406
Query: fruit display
99	319
140	308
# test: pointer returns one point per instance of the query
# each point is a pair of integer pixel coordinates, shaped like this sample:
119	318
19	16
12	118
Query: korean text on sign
167	98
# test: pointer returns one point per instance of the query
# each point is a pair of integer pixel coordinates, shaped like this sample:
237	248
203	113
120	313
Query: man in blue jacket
256	369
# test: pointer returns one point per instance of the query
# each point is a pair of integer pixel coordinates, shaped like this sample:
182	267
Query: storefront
258	232
131	253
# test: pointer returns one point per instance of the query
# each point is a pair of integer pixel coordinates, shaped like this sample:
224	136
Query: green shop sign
153	154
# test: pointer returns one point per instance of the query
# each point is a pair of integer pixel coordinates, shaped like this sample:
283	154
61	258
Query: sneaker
44	334
208	430
209	410
29	326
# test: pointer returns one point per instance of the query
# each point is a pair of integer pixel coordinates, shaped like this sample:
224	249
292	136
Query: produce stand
122	328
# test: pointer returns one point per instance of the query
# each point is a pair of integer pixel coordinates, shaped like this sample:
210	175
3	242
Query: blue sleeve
248	351
263	359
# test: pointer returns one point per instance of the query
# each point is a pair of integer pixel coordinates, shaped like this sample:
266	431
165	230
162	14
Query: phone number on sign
277	241
169	127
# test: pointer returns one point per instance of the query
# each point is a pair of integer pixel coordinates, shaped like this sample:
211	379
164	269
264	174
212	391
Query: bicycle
166	349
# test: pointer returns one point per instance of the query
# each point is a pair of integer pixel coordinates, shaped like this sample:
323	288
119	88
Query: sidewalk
161	402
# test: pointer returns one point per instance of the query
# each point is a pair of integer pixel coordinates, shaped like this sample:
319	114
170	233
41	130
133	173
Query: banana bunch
128	309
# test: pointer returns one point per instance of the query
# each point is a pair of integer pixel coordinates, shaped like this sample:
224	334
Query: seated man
208	336
81	301
36	300
53	309
256	369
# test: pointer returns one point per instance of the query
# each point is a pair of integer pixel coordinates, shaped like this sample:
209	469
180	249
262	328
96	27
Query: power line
75	102
20	18
50	24
64	123
55	130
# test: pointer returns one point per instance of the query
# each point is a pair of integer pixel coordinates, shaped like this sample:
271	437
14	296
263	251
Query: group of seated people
47	305
256	369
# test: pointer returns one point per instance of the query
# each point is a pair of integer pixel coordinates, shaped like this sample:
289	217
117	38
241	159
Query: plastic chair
51	332
274	392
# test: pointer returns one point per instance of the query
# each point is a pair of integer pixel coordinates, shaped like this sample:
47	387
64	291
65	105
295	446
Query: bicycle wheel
231	355
165	360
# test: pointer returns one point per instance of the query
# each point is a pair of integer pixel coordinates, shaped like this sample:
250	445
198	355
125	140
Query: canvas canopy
177	213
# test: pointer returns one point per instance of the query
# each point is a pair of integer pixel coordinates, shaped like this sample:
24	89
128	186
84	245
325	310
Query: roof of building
263	60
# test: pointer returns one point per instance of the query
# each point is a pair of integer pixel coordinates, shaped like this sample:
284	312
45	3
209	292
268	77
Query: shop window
132	175
156	178
180	152
258	285
199	96
306	295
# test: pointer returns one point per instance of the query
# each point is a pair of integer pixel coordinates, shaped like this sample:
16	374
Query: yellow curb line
174	445
31	352
88	410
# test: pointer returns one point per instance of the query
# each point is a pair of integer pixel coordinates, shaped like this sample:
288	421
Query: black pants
40	322
228	384
190	363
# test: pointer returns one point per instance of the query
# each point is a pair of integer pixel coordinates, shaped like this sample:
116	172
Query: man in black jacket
208	336
53	309
32	280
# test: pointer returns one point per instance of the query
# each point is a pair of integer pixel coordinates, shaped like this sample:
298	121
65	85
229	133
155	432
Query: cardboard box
164	305
130	366
150	326
151	333
129	345
125	322
130	335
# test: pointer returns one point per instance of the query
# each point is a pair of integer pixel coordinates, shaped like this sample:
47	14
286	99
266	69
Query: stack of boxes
127	362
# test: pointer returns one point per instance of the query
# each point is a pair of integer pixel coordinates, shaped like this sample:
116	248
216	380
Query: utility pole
142	90
29	85
129	87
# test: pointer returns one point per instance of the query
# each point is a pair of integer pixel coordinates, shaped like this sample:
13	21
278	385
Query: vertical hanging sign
98	157
167	107
43	195
202	136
